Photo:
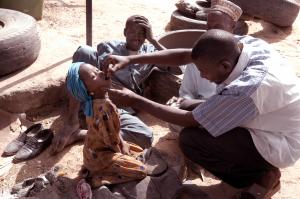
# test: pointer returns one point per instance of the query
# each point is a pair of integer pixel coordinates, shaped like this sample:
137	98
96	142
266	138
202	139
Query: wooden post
89	22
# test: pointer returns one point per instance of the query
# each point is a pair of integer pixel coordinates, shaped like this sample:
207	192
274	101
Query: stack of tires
19	41
278	12
180	21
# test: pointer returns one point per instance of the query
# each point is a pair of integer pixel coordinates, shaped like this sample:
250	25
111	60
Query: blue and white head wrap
77	88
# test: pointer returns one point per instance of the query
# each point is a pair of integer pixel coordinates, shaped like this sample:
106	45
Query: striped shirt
262	94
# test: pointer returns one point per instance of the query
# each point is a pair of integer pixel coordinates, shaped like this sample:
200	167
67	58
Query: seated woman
106	155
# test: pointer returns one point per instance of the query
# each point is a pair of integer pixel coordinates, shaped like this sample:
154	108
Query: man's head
135	34
215	54
223	15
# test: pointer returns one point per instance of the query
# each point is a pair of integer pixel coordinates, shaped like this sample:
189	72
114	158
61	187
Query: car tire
19	41
179	22
278	12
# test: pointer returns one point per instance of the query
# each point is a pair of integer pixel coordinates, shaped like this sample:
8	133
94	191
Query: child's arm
124	146
116	141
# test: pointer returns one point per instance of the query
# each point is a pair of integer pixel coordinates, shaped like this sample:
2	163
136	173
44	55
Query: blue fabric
78	90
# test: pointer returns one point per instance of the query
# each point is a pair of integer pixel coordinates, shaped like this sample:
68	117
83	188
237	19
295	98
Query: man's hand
142	21
190	104
185	104
122	97
175	101
113	63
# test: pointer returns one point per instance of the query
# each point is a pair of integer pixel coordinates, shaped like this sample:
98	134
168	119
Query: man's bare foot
270	179
61	140
265	187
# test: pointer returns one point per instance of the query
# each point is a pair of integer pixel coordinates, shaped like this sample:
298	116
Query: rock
161	86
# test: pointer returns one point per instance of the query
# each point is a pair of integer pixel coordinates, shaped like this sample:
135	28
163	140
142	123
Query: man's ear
233	25
124	31
226	66
240	45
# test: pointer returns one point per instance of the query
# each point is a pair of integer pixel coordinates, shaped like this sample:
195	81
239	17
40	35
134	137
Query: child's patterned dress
101	152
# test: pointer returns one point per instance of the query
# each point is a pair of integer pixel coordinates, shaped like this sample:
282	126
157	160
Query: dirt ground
64	20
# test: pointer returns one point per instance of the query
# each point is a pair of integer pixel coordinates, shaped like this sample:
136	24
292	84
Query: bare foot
265	187
270	179
61	140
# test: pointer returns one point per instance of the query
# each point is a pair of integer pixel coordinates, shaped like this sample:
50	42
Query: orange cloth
101	152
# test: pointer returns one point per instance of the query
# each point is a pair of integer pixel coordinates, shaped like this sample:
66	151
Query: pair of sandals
29	143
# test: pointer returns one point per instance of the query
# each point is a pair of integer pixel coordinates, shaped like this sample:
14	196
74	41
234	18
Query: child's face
135	36
93	78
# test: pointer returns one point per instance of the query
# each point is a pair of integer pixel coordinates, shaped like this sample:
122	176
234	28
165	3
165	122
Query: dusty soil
63	27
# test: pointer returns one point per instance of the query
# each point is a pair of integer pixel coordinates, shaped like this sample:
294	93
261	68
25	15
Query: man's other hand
175	101
122	97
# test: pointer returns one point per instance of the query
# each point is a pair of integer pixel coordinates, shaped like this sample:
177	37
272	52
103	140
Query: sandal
84	190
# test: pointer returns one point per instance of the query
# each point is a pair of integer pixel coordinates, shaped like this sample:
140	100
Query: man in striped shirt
246	131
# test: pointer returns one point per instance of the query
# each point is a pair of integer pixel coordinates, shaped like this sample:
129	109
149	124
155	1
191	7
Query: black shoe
34	145
14	146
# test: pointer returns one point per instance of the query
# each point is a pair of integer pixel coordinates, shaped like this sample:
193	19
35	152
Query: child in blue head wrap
105	153
84	82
